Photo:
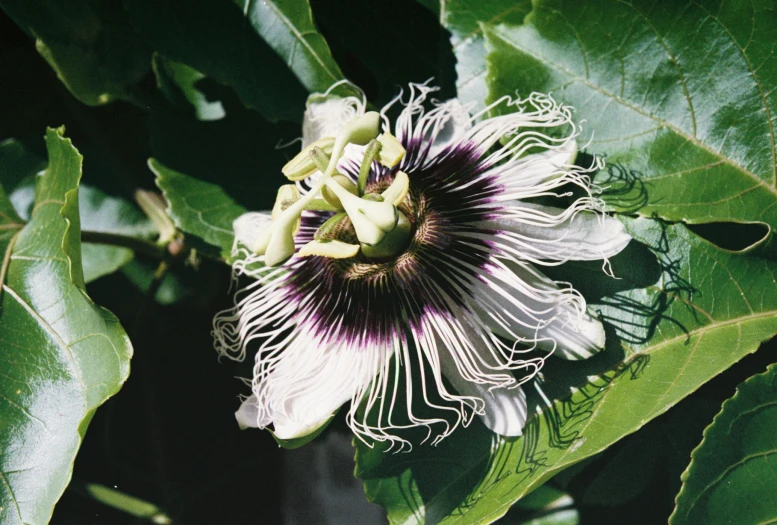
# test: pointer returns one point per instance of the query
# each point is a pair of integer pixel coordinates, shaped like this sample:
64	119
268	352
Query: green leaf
106	214
680	96
667	334
126	503
731	477
287	26
247	34
100	260
198	208
384	47
17	162
89	43
62	355
180	84
99	212
462	19
544	506
642	461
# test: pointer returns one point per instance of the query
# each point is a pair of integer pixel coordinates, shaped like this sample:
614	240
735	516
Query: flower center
366	222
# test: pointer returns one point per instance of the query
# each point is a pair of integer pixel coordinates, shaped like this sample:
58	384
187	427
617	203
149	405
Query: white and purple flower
425	265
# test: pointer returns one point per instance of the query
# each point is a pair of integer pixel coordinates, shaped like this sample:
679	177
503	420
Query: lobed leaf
462	19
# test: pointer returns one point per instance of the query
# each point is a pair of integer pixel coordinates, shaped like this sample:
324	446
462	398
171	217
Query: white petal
505	408
248	414
455	122
326	115
248	226
558	234
537	168
310	382
521	303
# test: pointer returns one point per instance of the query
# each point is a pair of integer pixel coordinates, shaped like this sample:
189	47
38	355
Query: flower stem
143	246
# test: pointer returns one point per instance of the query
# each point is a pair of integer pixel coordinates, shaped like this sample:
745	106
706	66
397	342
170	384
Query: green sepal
291	444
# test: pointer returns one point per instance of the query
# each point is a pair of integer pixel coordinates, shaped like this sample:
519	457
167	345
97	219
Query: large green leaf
62	355
681	96
287	26
243	60
89	43
731	478
668	332
462	18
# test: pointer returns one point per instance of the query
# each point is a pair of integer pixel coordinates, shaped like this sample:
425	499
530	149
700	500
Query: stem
143	246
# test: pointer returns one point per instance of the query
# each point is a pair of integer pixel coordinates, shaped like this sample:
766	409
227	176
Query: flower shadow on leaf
435	482
623	189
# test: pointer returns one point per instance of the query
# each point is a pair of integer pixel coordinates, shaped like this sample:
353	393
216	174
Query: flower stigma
400	270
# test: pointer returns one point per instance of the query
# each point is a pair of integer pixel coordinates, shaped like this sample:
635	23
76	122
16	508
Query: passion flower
404	264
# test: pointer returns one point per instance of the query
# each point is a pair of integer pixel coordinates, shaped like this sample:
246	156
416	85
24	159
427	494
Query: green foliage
198	208
463	19
731	477
661	347
63	356
667	133
89	43
679	96
101	213
247	34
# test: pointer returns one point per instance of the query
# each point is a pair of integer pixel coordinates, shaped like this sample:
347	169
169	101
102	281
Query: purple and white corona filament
425	265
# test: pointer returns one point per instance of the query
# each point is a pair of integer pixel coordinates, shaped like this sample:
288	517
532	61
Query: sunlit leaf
462	18
62	355
680	96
